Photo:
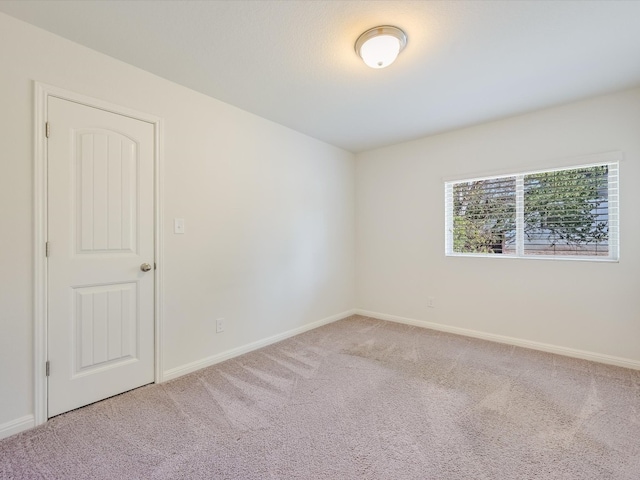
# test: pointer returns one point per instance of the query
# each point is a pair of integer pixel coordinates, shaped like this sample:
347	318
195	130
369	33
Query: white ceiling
293	62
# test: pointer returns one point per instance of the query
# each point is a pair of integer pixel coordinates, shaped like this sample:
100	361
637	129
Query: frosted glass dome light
379	46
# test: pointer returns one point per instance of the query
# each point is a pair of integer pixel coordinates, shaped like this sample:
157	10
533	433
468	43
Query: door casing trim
42	92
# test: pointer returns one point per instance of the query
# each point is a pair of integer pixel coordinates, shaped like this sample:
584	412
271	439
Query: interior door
100	263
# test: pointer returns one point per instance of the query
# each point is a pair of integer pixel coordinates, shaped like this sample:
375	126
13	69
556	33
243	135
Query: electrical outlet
431	303
220	325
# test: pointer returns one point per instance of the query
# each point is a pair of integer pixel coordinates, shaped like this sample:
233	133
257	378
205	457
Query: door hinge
47	129
46	368
46	249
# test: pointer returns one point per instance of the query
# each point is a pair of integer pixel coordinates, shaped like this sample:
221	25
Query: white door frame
42	92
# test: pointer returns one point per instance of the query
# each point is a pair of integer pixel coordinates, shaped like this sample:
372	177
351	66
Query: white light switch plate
178	225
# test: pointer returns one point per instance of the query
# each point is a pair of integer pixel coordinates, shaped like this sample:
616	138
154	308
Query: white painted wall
269	212
594	307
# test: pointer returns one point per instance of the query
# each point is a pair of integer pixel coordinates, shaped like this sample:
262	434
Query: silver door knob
145	267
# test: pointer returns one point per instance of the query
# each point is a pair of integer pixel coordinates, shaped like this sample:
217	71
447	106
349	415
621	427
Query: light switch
178	225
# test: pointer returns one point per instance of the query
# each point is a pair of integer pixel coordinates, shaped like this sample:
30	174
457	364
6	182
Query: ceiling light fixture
379	46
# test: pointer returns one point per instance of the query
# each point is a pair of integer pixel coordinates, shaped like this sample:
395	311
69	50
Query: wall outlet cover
220	325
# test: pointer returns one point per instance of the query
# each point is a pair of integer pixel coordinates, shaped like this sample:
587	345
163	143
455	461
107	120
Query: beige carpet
359	398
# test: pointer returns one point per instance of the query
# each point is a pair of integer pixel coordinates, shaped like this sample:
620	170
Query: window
560	213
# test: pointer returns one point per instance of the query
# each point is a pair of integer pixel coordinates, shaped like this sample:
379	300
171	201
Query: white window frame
611	160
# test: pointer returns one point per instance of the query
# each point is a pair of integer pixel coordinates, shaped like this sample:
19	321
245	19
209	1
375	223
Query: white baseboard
234	352
544	347
16	426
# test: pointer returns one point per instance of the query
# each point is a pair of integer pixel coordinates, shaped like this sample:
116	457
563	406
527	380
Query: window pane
566	212
484	216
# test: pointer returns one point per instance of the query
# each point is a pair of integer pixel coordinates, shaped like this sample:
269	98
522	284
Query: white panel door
100	231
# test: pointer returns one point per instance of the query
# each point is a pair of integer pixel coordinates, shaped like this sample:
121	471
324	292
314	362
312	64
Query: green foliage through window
484	215
559	212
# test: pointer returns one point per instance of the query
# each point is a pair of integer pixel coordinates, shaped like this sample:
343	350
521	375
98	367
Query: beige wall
269	212
588	306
